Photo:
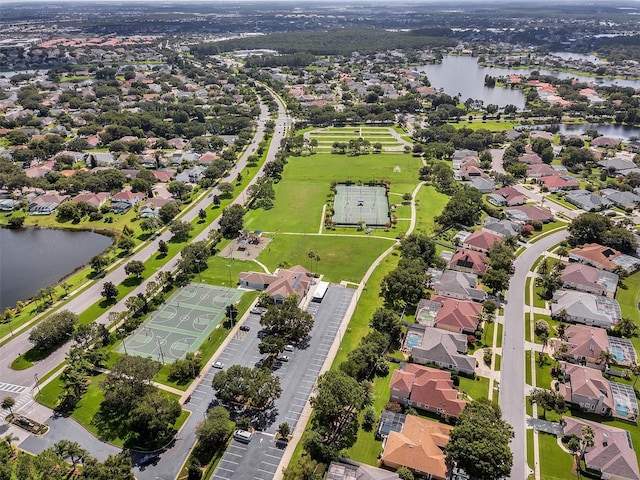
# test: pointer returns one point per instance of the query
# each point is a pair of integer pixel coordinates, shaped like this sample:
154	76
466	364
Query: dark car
245	328
149	458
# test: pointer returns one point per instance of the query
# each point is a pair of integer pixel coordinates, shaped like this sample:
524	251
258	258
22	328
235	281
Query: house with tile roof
612	454
426	388
603	257
460	285
529	214
605	142
469	261
587	201
507	196
481	241
586	388
585	308
543	170
284	283
420	447
530	159
502	228
585	278
434	346
94	199
557	183
356	471
584	344
458	316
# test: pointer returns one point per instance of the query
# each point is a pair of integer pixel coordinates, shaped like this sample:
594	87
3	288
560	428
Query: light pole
124	345
229	268
35	375
160	347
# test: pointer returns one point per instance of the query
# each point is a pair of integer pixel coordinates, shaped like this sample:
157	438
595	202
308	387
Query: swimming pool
413	339
617	352
622	409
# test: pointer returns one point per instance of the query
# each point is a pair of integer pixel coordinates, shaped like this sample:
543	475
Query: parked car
245	328
283	358
258	310
242	436
288	348
218	365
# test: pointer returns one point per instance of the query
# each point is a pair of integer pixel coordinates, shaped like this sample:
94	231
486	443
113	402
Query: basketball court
181	324
360	203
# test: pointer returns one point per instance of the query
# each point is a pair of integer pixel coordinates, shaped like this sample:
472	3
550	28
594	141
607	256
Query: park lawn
429	204
476	388
367	448
555	463
341	258
306	184
493	125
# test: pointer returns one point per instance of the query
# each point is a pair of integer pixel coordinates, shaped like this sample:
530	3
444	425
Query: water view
31	259
462	75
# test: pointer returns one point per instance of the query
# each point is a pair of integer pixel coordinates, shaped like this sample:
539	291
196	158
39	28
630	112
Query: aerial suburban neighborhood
302	240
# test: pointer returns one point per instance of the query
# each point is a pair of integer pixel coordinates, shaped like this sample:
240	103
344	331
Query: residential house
603	257
483	185
618	165
284	283
100	159
529	214
458	316
459	156
46	204
612	455
530	159
585	345
356	471
605	142
470	261
129	197
586	388
481	241
460	285
191	175
557	183
420	447
587	201
507	196
588	279
586	308
502	228
625	200
470	172
541	134
544	170
433	346
93	199
426	388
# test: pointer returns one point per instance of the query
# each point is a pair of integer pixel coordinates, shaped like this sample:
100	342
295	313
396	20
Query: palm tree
635	370
7	404
562	328
606	358
626	327
562	251
311	256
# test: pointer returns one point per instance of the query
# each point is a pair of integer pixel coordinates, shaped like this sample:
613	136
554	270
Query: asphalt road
259	458
512	375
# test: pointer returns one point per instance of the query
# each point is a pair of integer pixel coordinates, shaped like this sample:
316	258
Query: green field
341	258
306	183
429	203
555	464
628	298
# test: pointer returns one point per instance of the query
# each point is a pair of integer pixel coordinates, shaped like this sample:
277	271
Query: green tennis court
361	203
183	322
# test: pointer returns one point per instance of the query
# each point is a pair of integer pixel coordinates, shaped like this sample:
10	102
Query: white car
218	365
283	358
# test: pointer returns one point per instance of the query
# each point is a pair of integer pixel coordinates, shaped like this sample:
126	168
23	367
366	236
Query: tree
302	469
496	280
129	380
606	358
8	403
404	473
626	328
109	291
336	404
404	284
548	400
287	320
53	331
226	189
115	467
464	208
284	430
271	345
180	230
262	193
163	248
183	370
479	443
134	267
150	224
179	190
252	387
168	212
420	246
202	215
153	416
98	263
71	450
214	430
387	321
232	220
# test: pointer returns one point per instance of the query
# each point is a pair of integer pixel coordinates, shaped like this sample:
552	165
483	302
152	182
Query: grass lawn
493	125
429	204
530	453
306	183
628	299
537	300
555	464
543	372
527	366
341	258
478	388
555	198
367	448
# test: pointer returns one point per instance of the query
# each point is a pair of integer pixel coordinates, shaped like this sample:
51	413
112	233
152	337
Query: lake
611	130
33	258
461	74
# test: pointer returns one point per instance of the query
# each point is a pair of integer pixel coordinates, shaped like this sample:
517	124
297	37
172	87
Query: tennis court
361	203
183	322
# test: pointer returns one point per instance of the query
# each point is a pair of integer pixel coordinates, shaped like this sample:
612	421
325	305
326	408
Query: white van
242	436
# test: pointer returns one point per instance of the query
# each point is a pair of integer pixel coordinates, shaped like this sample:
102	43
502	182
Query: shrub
542	327
537	225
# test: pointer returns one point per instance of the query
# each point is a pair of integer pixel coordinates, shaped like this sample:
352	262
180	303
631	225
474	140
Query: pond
33	258
462	75
611	130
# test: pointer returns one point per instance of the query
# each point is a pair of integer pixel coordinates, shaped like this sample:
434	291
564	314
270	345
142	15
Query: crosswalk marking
8	387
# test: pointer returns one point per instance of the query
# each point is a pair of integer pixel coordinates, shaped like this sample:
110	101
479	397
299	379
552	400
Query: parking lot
259	459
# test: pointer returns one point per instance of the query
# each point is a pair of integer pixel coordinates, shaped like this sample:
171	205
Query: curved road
512	384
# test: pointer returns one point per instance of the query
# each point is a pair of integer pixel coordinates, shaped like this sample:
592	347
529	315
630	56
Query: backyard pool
617	352
413	339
